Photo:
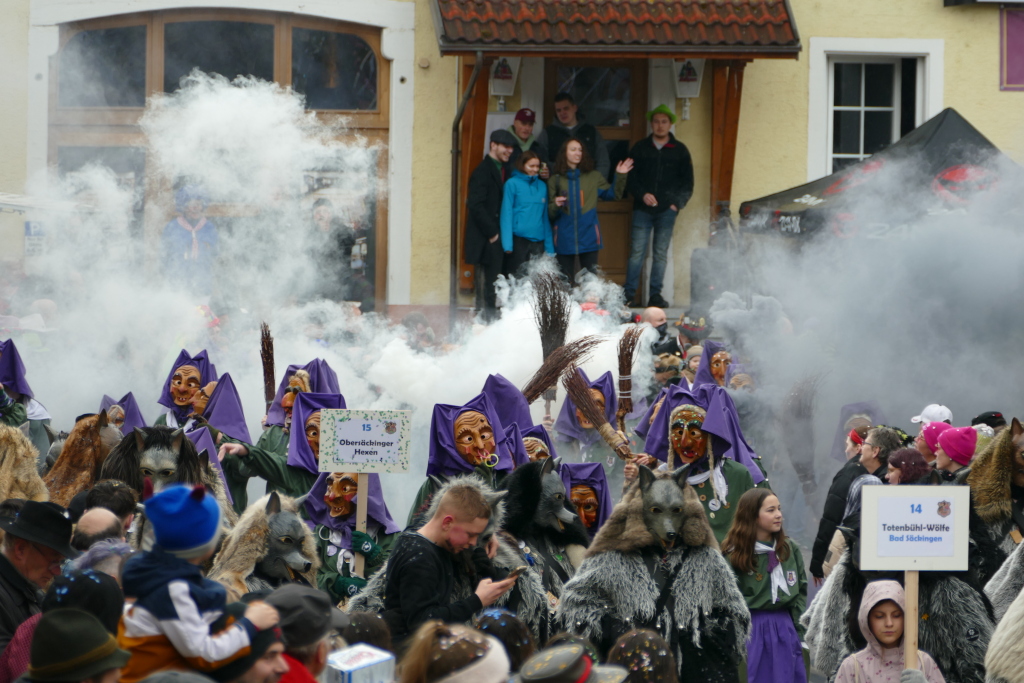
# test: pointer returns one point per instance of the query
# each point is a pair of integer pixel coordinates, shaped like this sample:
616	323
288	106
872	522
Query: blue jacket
575	229
524	211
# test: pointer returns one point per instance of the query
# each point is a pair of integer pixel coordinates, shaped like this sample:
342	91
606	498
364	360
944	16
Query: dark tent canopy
942	163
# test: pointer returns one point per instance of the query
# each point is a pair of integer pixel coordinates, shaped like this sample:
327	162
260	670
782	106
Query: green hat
72	645
662	109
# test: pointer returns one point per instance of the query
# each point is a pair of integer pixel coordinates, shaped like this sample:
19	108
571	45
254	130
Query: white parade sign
914	528
364	441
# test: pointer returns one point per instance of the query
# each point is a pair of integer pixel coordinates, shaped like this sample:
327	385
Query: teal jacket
524	211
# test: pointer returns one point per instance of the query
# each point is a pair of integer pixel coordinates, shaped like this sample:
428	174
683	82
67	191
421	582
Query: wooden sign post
364	442
914	529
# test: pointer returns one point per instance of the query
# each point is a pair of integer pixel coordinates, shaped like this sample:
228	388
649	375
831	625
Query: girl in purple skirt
770	573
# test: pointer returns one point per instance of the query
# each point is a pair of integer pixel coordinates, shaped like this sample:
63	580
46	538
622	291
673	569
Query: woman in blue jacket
573	191
525	228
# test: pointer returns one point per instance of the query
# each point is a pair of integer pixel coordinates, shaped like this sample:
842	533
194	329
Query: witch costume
589	474
178	416
508	401
586	444
728	469
322	380
337	539
18	403
445	461
132	415
704	375
225	417
203	440
293	471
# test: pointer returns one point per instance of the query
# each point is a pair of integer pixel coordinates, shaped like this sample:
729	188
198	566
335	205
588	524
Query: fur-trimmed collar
990	477
626	532
524	491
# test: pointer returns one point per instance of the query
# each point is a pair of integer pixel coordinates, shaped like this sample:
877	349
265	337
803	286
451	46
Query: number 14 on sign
915	508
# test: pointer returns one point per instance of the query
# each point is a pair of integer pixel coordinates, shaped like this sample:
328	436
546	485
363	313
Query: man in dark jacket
36	542
567	125
881	442
483	223
661	184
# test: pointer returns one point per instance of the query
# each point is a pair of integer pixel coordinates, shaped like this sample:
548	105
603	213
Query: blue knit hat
186	520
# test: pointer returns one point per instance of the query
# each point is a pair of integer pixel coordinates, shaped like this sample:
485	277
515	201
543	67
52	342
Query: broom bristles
629	347
267	356
552	310
565	357
579	392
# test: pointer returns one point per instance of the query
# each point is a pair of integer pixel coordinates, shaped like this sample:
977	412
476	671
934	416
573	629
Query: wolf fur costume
990	479
252	540
1004	662
684	589
955	627
83	455
531	605
164	447
19	477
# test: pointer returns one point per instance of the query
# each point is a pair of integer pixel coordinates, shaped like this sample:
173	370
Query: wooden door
611	94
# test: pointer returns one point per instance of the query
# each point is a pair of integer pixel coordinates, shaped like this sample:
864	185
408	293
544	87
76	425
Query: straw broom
267	356
629	346
579	392
552	309
556	364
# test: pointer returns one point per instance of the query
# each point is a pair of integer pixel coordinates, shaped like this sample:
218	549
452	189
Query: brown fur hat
625	530
990	477
249	541
19	477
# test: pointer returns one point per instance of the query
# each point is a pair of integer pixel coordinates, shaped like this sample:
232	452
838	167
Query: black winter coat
832	515
483	201
19	600
667	173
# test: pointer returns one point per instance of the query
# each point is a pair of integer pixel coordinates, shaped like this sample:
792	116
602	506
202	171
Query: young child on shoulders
168	625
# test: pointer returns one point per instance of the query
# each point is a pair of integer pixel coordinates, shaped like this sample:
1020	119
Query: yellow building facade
786	134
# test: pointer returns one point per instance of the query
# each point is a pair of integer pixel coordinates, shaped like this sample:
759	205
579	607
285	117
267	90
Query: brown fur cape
19	477
249	541
991	473
78	466
625	530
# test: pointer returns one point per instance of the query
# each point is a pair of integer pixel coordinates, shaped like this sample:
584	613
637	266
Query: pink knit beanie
931	433
958	443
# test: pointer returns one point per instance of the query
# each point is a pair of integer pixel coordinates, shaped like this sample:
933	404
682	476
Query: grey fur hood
496	499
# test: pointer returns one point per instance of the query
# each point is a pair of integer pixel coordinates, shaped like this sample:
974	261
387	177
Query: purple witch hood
299	452
12	370
224	410
869	409
721	422
644	425
207	374
376	509
202	440
132	415
538	432
514	443
568	427
322	380
589	474
444	458
508	402
704	375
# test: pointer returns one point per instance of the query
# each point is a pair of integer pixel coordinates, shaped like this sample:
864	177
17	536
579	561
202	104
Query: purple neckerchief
322	380
12	370
224	410
299	452
567	427
704	375
132	415
721	422
869	408
538	432
204	442
589	474
376	510
444	459
508	402
514	443
207	374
